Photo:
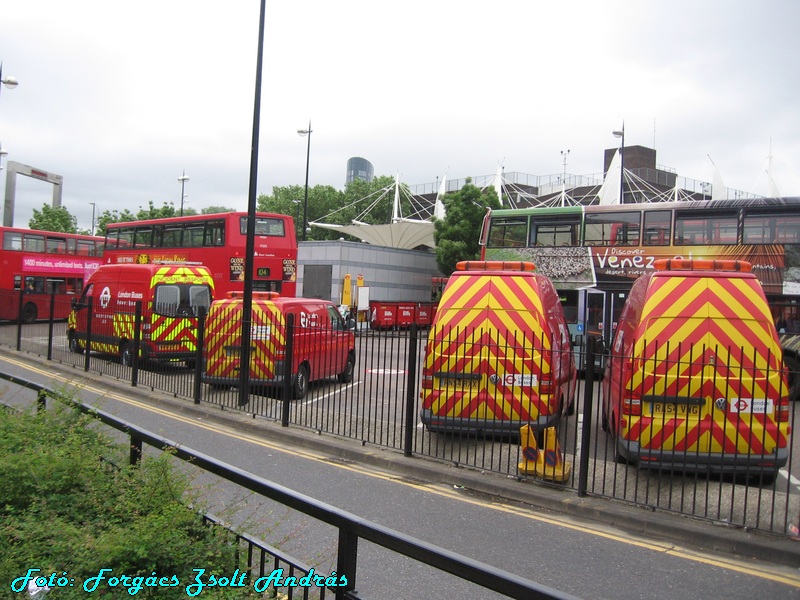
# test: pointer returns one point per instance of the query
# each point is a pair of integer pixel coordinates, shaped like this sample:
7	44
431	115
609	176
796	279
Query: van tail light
782	411
631	405
427	378
546	386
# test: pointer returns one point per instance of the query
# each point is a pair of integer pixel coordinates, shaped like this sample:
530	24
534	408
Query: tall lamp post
93	207
9	82
303	133
620	133
183	179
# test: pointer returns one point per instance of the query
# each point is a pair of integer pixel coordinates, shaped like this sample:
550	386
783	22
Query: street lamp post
93	206
620	133
9	82
302	133
183	179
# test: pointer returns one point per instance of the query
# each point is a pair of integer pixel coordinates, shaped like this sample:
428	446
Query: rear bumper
729	462
234	381
497	426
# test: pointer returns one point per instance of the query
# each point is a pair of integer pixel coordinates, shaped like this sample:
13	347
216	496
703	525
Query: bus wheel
346	376
125	355
74	346
29	313
300	382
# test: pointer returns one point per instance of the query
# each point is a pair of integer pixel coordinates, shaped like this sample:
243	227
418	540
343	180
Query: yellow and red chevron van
323	345
694	378
498	354
171	296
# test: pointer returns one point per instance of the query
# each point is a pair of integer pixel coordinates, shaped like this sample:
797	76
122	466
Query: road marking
318	397
746	568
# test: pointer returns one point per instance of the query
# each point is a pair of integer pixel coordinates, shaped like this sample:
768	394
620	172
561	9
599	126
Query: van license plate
675	409
459	384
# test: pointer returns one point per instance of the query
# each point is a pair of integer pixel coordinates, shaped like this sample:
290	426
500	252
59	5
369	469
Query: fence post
19	317
198	357
287	371
411	386
137	335
89	318
136	451
588	400
50	320
346	559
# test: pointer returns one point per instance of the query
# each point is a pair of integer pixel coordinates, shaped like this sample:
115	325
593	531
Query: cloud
121	98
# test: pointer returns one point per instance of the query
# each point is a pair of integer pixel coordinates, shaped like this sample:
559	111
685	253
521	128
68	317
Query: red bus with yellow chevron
694	377
169	296
498	354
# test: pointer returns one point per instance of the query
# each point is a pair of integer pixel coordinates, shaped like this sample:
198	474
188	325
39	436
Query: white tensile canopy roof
402	232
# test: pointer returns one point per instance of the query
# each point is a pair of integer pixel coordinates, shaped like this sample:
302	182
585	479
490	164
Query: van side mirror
76	304
600	346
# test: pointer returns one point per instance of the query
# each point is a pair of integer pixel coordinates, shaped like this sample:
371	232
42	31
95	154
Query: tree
151	212
289	200
214	210
53	219
457	235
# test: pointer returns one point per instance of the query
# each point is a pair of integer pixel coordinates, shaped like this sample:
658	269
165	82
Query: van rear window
181	300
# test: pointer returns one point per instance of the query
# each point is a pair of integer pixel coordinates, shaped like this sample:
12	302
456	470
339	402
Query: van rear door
709	381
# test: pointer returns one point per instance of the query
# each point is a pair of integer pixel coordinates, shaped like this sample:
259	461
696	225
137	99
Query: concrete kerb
672	528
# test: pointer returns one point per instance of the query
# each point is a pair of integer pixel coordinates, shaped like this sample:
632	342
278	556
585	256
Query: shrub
70	503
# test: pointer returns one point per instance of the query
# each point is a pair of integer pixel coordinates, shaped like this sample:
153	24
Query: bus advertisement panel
40	266
594	253
217	241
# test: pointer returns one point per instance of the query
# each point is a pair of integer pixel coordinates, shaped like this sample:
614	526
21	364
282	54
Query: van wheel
619	458
604	420
125	355
74	346
29	313
346	376
300	386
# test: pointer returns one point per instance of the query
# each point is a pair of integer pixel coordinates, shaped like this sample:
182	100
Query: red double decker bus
40	267
217	241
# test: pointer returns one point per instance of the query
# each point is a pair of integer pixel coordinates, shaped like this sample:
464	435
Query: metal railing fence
381	406
260	560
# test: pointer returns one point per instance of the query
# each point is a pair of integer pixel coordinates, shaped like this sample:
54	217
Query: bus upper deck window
612	228
657	225
509	232
561	231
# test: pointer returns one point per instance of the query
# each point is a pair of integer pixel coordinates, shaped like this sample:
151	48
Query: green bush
69	502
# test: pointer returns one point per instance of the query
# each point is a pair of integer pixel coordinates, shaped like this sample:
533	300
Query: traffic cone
548	462
529	451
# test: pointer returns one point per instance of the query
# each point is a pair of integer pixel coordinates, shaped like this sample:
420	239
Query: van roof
499	290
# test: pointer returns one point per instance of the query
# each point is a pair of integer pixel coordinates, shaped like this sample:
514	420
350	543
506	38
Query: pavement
686	531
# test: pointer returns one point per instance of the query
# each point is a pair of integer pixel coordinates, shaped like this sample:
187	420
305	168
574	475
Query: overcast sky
120	98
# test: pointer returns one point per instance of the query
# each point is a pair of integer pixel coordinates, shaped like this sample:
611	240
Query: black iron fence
267	567
382	401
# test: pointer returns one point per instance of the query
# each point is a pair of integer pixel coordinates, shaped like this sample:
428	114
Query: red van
499	354
323	344
694	378
171	296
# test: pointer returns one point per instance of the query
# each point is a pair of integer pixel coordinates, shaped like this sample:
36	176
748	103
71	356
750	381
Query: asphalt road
590	559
